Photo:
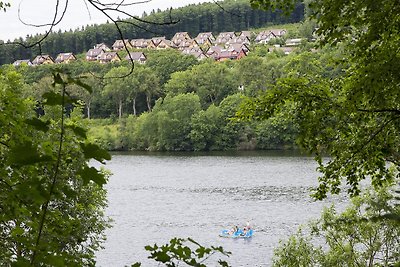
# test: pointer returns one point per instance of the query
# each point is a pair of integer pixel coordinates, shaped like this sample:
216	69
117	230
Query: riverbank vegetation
139	108
356	237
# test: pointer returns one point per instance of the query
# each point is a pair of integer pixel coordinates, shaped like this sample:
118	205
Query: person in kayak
246	228
233	230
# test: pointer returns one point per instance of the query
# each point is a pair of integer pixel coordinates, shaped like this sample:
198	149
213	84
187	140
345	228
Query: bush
360	236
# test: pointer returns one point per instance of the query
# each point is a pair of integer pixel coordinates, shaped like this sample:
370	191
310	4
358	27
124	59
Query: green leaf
52	99
79	131
223	263
161	256
68	192
148	248
38	124
57	79
17	231
26	154
91	174
56	99
55	260
81	84
202	251
137	264
92	151
21	263
221	250
391	216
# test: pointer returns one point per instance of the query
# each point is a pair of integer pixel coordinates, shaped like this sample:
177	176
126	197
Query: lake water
154	197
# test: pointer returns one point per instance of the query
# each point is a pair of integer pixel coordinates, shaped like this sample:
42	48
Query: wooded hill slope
230	15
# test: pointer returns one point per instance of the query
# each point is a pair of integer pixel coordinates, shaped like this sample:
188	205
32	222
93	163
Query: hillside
231	15
174	101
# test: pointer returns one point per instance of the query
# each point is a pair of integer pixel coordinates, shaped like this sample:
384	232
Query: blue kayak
238	234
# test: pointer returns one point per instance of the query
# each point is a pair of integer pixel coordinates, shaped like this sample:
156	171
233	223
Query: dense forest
231	15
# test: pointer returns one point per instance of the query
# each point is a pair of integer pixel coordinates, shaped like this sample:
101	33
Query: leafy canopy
51	201
353	114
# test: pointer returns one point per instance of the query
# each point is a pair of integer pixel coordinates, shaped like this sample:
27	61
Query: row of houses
182	40
46	59
227	45
69	57
218	53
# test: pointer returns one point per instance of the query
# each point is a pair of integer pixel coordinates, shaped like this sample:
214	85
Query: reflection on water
154	197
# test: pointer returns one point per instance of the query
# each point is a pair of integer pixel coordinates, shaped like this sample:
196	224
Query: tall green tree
51	201
118	86
278	132
251	73
211	82
233	132
206	129
168	126
174	114
166	62
147	81
96	84
355	117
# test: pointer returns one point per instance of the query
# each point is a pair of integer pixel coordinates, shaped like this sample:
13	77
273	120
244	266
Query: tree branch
54	23
4	144
54	179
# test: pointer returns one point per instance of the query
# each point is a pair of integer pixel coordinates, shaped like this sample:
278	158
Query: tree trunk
134	106
88	110
120	109
148	99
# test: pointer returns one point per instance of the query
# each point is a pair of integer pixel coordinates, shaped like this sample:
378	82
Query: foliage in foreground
359	236
353	118
180	250
51	201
